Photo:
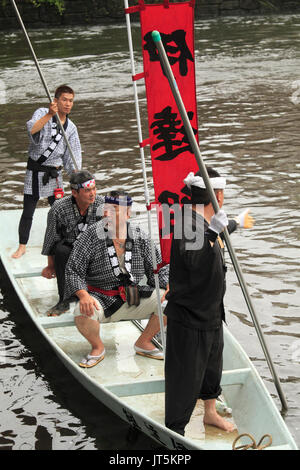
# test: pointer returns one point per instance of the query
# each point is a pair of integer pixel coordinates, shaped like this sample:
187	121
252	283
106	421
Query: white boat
133	386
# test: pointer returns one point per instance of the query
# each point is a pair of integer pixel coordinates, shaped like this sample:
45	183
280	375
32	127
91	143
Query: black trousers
193	369
29	207
62	252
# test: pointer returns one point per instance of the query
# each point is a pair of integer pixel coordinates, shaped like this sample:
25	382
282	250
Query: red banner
171	154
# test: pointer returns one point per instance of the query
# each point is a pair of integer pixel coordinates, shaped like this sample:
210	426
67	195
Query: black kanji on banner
175	46
166	127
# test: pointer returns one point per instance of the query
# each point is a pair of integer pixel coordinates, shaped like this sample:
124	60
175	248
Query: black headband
119	200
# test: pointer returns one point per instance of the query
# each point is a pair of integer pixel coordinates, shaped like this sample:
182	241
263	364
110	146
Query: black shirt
197	276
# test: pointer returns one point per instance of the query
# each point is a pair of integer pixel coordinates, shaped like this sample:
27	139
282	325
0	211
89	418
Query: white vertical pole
146	192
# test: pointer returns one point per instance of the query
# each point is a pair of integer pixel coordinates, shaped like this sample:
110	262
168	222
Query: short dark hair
79	177
199	195
63	89
119	196
118	192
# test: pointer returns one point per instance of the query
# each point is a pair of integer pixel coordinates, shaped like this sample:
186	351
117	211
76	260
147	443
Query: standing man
68	219
104	271
195	309
48	153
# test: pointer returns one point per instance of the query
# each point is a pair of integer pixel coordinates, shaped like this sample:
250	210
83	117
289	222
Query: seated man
104	271
68	218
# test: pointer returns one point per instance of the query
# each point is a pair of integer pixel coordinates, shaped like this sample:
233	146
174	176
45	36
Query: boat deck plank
229	377
36	273
208	437
67	319
121	364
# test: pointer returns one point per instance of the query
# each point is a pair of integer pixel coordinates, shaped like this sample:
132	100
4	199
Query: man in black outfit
195	309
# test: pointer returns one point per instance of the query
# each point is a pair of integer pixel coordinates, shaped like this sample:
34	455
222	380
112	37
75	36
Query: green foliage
267	3
59	4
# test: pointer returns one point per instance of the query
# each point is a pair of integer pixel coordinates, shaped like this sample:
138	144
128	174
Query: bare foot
97	351
20	252
214	419
144	344
145	340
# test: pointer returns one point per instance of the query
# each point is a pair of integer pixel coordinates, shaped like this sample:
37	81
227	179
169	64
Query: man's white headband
87	184
192	180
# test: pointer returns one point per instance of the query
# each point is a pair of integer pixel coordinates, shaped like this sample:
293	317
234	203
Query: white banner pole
146	191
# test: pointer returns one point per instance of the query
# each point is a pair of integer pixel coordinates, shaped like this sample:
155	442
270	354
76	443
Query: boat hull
131	386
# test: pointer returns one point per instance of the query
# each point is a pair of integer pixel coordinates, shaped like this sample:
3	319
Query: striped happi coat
93	262
60	156
64	222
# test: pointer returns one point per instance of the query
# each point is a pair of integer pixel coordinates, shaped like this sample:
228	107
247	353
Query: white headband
87	184
192	180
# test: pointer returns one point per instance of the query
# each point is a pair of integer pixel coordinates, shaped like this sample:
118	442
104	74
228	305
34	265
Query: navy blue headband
119	200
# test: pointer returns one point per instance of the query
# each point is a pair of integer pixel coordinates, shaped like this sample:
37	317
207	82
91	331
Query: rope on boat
253	444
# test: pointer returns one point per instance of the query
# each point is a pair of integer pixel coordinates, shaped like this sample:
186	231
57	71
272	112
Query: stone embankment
89	12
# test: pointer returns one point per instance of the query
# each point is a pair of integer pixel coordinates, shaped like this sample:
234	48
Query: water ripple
247	74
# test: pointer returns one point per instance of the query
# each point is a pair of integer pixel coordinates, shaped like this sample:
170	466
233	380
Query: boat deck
122	371
129	380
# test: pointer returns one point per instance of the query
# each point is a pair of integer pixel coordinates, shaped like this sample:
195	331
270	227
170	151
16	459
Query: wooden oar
43	81
193	142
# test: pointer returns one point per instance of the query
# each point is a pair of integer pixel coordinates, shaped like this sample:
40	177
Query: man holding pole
195	309
48	153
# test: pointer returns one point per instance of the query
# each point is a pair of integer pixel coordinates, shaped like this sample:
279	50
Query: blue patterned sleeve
163	275
78	263
76	149
51	235
38	114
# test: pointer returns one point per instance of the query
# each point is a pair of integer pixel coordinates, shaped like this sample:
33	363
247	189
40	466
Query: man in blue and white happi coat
105	270
48	154
68	219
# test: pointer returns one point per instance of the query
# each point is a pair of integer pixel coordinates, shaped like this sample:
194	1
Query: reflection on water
247	71
38	415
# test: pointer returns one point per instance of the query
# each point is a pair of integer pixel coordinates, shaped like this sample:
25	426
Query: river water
248	76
